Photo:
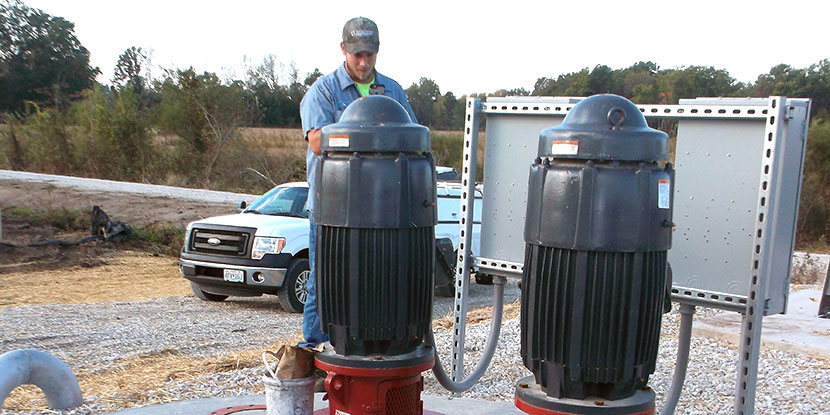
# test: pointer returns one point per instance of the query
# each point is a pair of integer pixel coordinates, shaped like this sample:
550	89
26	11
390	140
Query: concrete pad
439	404
798	331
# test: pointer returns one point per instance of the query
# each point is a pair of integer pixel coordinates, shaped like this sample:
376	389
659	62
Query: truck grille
222	242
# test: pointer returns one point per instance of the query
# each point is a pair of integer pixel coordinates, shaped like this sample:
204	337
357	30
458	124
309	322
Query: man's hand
314	141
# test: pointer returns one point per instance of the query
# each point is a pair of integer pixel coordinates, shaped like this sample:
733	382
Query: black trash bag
100	224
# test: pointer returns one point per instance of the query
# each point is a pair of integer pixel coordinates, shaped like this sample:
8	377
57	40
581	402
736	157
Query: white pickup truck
264	248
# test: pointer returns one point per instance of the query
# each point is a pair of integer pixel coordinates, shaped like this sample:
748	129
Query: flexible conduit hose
489	348
684	340
47	372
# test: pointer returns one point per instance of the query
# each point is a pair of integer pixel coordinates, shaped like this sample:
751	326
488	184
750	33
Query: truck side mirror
242	205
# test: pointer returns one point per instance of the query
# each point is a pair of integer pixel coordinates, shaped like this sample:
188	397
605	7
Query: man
322	105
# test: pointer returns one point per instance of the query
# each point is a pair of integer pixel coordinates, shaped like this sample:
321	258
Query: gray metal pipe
684	340
47	372
489	348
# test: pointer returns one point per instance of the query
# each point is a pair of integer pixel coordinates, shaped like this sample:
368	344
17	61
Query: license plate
234	275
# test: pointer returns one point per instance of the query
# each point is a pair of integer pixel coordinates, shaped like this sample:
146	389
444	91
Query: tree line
43	63
48	90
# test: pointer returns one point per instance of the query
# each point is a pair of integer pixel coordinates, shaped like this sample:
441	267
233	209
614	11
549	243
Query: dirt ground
95	271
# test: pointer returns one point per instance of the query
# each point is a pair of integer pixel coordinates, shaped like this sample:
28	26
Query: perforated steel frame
753	303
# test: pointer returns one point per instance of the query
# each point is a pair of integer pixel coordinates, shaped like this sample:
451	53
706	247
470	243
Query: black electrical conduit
489	348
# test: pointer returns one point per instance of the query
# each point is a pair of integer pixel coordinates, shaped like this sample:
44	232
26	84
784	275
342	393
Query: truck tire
445	285
197	291
294	291
445	291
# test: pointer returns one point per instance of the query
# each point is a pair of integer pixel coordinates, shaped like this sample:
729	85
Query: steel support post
472	121
760	265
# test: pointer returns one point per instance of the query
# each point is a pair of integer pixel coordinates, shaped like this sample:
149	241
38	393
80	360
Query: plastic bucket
289	396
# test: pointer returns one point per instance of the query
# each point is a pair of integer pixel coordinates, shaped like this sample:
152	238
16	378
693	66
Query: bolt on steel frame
741	157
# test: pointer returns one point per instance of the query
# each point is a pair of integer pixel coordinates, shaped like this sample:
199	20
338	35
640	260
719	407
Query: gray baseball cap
361	35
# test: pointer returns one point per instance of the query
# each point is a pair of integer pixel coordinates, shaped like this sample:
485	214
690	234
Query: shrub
167	238
115	137
814	209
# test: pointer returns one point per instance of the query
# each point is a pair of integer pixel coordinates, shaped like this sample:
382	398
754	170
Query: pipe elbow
47	372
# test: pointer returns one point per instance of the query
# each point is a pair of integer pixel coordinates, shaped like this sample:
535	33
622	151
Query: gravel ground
89	335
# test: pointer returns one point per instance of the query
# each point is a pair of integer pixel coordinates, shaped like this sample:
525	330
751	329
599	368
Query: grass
165	238
448	150
818	246
60	218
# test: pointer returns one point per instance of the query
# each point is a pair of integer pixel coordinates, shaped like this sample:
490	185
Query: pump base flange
531	399
424	355
379	384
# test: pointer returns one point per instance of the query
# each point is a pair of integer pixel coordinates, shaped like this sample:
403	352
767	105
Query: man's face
360	65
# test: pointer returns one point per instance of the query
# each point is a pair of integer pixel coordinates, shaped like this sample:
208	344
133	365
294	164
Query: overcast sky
463	46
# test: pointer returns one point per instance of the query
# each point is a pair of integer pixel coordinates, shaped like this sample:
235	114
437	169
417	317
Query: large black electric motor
375	209
598	228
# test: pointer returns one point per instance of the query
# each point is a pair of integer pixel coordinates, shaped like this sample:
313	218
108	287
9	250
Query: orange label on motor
338	141
564	147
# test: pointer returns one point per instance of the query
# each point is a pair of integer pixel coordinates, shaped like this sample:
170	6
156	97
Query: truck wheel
197	291
294	289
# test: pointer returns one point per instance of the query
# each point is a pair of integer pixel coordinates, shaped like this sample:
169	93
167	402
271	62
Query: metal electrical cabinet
736	195
738	163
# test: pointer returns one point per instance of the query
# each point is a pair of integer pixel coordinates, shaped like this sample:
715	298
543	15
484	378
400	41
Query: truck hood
266	225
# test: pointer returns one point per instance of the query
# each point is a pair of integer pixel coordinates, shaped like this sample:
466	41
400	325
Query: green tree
51	148
818	85
443	110
458	113
116	142
544	86
277	101
814	209
602	80
638	82
515	92
205	115
812	82
571	84
312	77
695	81
128	70
422	97
41	60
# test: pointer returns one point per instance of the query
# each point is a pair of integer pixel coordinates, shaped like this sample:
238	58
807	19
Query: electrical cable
489	348
684	341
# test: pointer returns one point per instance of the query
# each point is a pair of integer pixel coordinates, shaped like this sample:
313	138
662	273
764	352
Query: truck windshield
282	201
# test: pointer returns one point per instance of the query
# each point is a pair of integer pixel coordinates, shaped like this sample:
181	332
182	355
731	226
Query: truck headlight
266	245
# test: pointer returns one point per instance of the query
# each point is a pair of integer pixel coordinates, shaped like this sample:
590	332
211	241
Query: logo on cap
362	33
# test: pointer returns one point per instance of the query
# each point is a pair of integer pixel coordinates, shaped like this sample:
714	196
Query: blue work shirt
324	103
